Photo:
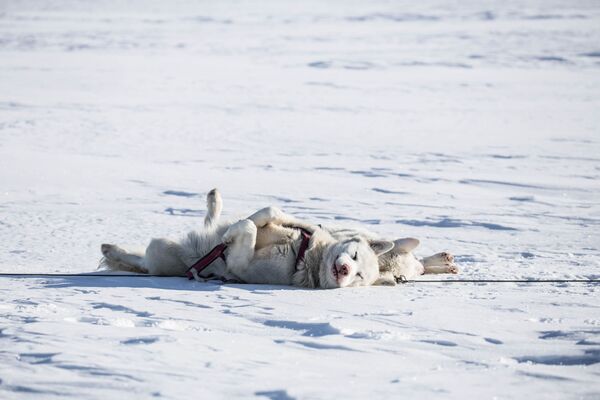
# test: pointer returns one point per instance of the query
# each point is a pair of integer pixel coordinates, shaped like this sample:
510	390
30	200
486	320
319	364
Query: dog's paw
384	282
214	205
213	198
447	257
242	229
110	251
452	269
267	215
227	238
105	248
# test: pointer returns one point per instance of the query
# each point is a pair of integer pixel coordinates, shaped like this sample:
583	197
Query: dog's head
352	262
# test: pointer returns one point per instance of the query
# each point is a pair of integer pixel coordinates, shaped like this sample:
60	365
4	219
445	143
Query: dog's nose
343	270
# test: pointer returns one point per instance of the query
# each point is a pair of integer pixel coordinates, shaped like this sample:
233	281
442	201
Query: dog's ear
405	245
381	246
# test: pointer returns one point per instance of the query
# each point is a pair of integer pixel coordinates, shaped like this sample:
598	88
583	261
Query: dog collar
303	246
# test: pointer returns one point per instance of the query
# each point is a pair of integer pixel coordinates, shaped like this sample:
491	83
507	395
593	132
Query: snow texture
473	126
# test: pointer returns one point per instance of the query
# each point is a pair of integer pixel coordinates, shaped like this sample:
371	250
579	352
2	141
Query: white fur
261	249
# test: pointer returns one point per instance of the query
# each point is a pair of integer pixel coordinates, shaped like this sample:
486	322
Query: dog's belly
273	265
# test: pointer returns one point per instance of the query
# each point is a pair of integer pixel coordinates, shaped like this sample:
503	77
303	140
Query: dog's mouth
335	273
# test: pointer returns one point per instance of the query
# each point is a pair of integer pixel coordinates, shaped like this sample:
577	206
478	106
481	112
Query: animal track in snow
589	357
445	343
140	340
307	328
119	308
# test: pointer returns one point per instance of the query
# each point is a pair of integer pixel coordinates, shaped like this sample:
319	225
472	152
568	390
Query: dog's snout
342	270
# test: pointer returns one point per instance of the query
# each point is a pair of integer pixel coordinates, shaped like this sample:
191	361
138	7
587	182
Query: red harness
201	264
303	246
193	272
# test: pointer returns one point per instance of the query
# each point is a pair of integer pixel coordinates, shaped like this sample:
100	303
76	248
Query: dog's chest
282	254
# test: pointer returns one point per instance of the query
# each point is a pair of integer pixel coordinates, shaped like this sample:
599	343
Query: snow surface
471	125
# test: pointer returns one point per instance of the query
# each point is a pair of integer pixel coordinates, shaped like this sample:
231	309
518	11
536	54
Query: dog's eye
359	275
355	256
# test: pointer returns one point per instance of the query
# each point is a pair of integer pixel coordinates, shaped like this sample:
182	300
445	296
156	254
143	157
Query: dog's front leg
385	279
272	234
274	216
440	263
240	239
271	215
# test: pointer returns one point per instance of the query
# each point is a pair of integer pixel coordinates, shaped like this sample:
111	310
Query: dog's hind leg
214	206
440	263
164	257
116	258
240	239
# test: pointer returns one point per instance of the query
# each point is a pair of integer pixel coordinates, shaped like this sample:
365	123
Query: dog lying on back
264	249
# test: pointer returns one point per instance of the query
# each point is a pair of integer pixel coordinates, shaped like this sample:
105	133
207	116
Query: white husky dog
267	248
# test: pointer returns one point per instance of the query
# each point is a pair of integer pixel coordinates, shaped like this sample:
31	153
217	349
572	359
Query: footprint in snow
493	341
275	395
116	307
445	343
307	328
140	340
37	358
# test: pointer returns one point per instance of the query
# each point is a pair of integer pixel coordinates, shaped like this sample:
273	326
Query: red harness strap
303	246
218	251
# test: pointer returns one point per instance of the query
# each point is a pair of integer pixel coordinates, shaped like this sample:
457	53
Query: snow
473	126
